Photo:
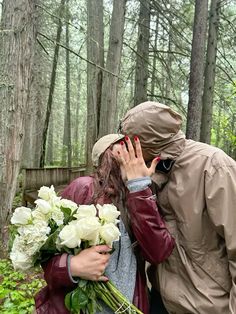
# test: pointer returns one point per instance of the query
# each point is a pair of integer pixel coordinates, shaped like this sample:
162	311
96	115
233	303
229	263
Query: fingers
102	248
138	148
102	278
130	151
153	165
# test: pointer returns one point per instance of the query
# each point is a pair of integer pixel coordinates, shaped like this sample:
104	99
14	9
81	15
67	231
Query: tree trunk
52	85
67	121
197	70
108	111
95	53
50	140
154	62
209	82
218	127
17	44
141	70
35	116
77	121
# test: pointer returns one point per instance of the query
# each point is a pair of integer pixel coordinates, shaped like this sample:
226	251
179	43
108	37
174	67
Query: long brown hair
109	185
108	182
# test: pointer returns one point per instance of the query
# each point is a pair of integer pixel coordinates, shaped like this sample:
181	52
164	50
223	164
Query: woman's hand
90	263
131	160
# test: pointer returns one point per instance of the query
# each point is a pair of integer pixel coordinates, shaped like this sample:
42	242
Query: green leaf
67	301
50	244
67	215
79	299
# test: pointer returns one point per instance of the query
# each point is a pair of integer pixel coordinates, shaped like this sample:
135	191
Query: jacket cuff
73	279
138	184
146	193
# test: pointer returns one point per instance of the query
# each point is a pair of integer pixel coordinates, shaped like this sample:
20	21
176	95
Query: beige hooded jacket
198	201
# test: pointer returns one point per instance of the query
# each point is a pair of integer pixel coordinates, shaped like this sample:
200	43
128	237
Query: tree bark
209	82
95	54
154	62
67	121
35	116
141	70
197	70
108	112
17	45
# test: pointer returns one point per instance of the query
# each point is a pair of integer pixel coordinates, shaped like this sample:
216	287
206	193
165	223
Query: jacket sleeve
148	227
79	190
220	192
56	272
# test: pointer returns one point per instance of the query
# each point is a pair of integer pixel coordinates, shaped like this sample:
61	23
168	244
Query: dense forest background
70	69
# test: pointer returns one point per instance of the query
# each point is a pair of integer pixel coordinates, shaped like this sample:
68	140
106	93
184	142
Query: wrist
73	277
138	184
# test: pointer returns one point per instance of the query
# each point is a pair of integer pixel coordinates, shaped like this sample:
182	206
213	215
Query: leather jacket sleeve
148	227
56	272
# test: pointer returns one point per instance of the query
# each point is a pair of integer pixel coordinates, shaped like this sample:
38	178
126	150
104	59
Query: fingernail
126	138
157	158
135	138
122	143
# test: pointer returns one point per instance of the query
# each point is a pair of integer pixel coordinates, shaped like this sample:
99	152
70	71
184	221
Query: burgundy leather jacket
148	227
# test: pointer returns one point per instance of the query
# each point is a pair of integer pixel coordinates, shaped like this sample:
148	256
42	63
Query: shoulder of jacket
85	180
211	156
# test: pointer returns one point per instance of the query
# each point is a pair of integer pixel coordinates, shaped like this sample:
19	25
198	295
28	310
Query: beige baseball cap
102	144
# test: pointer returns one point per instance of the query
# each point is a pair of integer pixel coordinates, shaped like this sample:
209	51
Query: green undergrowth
17	289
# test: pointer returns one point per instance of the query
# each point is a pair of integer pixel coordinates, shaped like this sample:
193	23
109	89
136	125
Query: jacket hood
158	128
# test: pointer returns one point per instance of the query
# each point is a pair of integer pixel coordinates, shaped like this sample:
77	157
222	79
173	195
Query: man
196	191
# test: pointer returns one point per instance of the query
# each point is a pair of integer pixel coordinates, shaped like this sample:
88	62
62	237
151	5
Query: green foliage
17	289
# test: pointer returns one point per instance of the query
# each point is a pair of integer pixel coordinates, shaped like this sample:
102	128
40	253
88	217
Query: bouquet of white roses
58	225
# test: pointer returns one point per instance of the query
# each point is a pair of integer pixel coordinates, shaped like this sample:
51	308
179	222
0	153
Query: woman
121	178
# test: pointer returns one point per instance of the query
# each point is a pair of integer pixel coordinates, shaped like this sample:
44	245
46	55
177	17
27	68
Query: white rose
108	212
46	193
109	233
68	204
86	211
20	260
21	216
88	229
69	236
38	216
43	206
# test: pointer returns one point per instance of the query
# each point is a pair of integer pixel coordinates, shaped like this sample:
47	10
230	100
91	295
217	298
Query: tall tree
110	82
154	62
197	70
35	116
50	140
76	152
52	84
95	55
141	69
17	44
209	82
67	120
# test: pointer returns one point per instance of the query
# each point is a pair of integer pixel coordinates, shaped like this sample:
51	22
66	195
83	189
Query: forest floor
17	289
